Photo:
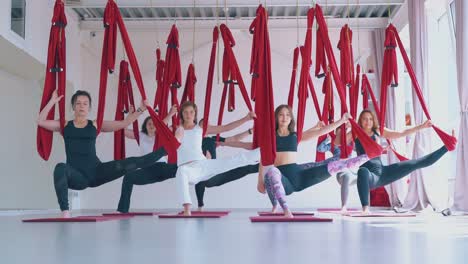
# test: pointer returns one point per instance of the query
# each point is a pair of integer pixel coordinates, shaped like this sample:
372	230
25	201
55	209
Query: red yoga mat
132	214
192	216
264	219
222	213
281	214
359	214
75	219
335	210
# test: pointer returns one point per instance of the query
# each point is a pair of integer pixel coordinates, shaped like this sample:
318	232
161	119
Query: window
18	8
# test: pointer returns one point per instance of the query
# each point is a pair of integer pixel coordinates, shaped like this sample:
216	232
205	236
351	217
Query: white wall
162	195
26	180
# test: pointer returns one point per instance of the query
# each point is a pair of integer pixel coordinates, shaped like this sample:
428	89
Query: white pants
202	170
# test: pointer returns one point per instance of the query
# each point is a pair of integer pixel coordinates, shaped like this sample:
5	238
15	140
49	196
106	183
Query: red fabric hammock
159	78
231	76
346	55
328	114
449	141
292	84
55	77
209	82
124	101
354	93
262	88
304	80
367	90
172	73
189	90
389	72
112	20
372	148
320	59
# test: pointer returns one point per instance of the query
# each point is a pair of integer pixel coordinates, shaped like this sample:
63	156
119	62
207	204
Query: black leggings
381	175
297	177
221	179
157	172
68	177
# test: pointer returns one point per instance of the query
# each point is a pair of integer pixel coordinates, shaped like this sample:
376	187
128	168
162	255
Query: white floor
427	238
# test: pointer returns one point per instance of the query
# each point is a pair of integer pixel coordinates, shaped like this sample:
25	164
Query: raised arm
239	136
129	134
171	113
391	134
52	125
230	126
349	137
237	144
322	130
111	126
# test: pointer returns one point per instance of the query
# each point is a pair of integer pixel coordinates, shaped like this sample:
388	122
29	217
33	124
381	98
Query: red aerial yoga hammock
262	88
172	77
347	77
372	148
124	101
168	79
320	59
305	80
55	77
112	20
231	75
189	90
390	70
209	82
346	55
159	78
366	91
292	84
328	114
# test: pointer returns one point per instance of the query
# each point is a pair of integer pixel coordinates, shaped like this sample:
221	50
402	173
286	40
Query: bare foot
200	209
288	214
365	210
274	209
344	210
187	211
66	214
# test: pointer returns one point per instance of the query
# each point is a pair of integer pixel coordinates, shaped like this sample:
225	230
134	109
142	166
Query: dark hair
292	124
375	126
185	105
143	126
80	93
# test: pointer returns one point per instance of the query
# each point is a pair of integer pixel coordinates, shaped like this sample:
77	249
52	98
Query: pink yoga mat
281	214
258	219
76	219
336	210
132	214
192	216
359	214
222	213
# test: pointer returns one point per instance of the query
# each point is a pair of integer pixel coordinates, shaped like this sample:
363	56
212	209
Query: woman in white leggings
193	165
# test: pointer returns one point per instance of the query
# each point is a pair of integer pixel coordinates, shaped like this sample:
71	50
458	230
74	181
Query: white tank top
191	146
146	146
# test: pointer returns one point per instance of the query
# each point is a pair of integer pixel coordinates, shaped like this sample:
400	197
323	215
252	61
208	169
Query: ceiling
369	13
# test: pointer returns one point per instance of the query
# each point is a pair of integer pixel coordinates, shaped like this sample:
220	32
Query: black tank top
80	147
286	143
375	164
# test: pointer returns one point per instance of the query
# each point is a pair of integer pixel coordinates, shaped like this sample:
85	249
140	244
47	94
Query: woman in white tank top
193	165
